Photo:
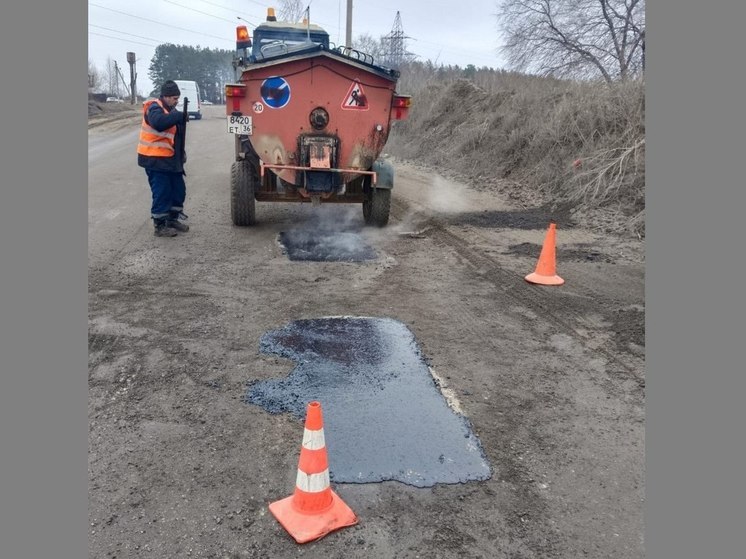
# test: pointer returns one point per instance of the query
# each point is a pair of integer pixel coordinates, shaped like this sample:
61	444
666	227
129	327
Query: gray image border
695	200
696	123
43	285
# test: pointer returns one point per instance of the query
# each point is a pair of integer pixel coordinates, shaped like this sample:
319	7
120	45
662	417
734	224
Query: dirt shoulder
104	113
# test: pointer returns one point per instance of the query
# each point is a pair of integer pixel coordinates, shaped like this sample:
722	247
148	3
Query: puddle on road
326	246
384	417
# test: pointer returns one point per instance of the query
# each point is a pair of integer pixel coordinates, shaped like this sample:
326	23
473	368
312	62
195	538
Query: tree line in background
210	68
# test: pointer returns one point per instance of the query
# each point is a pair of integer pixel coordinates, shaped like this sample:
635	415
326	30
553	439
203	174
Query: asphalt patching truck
310	121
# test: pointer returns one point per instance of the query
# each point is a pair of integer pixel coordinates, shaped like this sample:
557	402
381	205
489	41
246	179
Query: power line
158	41
119	39
198	11
161	23
247	21
232	9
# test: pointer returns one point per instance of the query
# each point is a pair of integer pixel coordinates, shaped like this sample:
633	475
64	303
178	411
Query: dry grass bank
579	146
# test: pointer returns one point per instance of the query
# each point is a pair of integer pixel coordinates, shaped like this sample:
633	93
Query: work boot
174	222
178	225
162	229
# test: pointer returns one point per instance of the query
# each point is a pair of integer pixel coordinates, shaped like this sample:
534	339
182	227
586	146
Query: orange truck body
318	120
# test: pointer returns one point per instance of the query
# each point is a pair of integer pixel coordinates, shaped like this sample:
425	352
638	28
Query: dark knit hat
169	89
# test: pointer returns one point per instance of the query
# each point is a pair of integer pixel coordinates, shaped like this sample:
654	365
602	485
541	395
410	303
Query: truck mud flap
384	173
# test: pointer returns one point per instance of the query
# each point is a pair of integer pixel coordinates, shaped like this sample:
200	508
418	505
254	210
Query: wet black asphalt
384	416
326	246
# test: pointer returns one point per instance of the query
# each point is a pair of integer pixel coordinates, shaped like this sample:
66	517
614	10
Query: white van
190	90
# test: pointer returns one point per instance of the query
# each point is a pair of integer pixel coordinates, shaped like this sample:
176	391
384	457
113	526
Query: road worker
161	152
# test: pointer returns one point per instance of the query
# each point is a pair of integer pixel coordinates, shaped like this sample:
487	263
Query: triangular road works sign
355	100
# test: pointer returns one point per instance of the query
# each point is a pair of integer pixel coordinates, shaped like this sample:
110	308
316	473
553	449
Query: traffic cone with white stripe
313	510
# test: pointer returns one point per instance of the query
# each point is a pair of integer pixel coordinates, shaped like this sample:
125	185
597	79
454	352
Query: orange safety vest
152	142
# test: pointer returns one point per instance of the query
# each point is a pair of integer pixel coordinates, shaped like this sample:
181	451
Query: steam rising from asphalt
330	234
447	197
438	196
335	233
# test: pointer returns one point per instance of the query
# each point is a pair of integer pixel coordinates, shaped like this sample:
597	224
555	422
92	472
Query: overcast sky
443	31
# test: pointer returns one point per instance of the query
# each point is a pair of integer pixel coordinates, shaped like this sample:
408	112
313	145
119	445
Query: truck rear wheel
377	206
243	184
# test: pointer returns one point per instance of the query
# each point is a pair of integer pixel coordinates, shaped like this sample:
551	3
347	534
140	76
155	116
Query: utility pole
133	77
348	33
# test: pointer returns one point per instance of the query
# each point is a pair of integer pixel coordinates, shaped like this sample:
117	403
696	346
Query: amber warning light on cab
243	40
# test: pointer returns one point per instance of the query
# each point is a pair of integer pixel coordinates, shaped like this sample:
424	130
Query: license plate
239	125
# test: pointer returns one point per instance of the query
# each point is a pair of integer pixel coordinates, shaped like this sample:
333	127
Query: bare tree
291	10
366	43
574	38
95	79
110	80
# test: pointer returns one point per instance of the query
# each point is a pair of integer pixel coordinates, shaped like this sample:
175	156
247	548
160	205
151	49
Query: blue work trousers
169	192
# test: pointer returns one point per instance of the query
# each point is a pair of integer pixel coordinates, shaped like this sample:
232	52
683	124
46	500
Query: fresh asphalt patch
326	246
384	416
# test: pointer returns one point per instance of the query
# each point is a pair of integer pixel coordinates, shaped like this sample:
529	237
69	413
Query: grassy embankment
557	144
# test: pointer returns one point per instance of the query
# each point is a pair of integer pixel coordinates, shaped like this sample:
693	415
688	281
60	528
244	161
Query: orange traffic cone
546	273
313	510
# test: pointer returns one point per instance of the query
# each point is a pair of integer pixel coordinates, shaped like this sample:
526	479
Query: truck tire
243	183
377	206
